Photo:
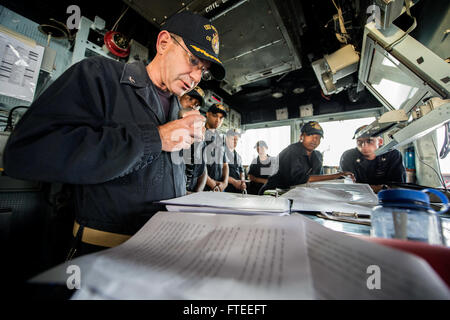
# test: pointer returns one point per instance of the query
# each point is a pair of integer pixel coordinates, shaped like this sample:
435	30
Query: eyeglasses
361	142
195	63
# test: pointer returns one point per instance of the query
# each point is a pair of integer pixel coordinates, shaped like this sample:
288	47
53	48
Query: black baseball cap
217	107
201	38
261	143
312	127
199	94
364	135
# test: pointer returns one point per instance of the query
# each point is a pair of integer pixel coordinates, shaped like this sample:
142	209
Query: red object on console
438	257
117	44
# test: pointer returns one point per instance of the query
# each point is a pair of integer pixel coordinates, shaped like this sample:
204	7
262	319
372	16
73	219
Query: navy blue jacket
194	160
214	153
95	127
234	161
383	169
294	167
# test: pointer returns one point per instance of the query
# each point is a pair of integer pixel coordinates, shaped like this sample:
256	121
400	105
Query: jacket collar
302	149
135	74
314	153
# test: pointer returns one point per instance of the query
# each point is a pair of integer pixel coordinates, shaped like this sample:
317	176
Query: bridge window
277	138
338	137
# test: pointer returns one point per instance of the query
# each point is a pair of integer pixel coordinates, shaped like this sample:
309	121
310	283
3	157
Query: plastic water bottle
406	214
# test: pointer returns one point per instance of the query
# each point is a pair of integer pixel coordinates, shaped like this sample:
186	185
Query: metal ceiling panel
158	11
155	12
254	43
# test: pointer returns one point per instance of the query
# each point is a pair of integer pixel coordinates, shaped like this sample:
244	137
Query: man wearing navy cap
110	130
236	177
377	171
300	162
194	99
200	40
216	160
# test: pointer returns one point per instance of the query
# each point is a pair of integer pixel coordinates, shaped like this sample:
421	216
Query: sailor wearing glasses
377	171
110	129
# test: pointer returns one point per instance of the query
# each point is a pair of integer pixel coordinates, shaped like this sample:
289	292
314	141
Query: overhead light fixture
298	90
277	94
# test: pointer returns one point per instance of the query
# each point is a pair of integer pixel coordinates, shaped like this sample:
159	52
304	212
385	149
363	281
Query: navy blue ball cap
200	37
312	127
217	107
357	133
199	94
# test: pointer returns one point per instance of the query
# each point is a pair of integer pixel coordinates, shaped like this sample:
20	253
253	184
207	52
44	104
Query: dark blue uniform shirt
260	169
294	167
382	170
214	152
194	159
234	161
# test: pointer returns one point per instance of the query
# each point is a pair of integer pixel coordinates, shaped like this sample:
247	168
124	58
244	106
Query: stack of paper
220	256
328	197
351	192
225	202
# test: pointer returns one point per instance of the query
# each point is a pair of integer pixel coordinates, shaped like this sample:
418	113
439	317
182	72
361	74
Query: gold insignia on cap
200	91
205	53
220	106
316	125
215	43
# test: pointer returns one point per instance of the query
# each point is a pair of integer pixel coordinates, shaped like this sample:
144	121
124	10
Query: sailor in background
193	100
300	162
377	171
216	160
236	177
261	168
194	158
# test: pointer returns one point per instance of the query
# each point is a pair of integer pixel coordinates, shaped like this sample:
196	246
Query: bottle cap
404	197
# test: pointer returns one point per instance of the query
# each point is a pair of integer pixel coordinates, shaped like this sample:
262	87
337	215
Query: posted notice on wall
19	67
